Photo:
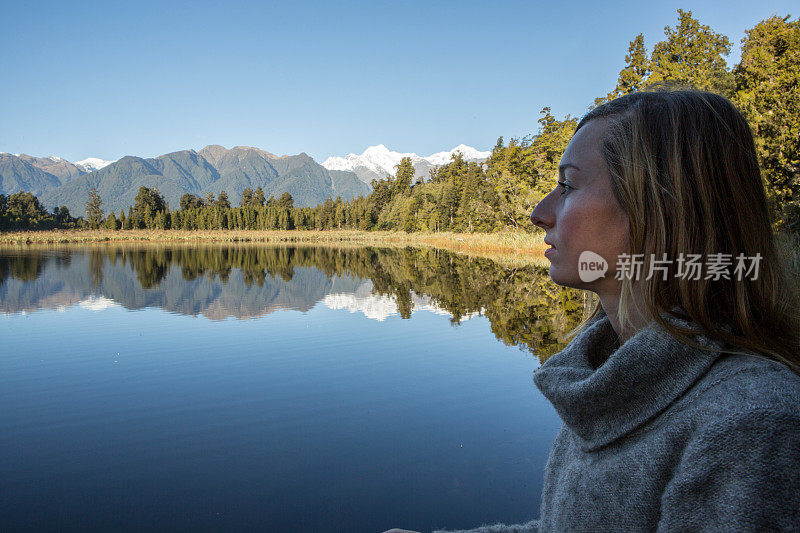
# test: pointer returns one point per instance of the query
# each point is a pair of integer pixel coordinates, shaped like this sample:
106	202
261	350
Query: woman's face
582	214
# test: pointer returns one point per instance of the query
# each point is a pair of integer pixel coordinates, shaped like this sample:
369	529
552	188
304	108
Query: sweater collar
638	380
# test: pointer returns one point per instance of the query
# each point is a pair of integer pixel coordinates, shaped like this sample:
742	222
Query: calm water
285	389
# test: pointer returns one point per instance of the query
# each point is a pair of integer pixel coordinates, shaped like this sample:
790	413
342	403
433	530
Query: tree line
500	193
23	210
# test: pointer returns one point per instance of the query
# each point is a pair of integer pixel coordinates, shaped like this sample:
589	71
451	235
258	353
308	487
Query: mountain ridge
209	170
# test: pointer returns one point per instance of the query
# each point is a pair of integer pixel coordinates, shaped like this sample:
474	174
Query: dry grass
509	247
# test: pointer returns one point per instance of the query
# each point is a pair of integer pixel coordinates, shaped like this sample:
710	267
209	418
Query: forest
500	193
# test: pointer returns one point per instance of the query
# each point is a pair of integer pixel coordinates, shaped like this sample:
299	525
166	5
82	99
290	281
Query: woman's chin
560	278
571	279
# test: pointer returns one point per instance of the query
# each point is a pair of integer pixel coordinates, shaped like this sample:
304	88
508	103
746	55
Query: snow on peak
97	303
469	153
92	163
380	307
378	159
377	149
381	160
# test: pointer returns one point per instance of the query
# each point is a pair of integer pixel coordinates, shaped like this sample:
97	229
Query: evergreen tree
190	201
338	216
22	210
449	202
62	216
222	201
411	222
94	210
148	217
286	201
247	198
404	176
692	55
160	220
768	93
327	212
637	68
111	222
258	196
634	75
148	202
380	197
523	172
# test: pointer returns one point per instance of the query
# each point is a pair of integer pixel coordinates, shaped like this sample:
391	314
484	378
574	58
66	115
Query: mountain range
58	182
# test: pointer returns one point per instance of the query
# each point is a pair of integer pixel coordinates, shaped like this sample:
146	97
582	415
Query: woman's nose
540	216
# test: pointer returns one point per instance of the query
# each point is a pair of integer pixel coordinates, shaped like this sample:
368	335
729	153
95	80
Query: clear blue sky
109	79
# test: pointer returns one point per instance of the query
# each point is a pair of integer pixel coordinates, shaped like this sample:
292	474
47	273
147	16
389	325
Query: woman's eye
565	186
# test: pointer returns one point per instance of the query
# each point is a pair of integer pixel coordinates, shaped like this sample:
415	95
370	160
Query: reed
525	246
513	246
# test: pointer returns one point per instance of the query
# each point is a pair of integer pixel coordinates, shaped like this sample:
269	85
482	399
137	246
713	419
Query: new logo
591	266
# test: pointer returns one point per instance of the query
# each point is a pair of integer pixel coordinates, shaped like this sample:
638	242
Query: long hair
683	166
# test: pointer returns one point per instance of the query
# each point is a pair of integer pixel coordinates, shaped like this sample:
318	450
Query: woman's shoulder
745	388
738	463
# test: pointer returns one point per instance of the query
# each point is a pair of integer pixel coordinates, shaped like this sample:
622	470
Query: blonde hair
683	166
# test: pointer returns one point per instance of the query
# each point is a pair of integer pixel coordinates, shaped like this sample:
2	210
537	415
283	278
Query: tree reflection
25	267
523	306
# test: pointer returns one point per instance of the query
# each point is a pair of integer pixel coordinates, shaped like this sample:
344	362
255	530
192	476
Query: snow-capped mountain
378	161
469	153
90	164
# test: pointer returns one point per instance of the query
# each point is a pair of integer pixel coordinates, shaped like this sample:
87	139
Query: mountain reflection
524	307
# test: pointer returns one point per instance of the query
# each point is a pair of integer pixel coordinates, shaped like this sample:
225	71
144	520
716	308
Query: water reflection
524	307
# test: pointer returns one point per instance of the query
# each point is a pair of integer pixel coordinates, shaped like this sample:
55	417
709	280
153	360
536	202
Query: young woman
680	396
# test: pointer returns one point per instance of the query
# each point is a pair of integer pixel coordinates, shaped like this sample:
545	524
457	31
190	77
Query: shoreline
509	245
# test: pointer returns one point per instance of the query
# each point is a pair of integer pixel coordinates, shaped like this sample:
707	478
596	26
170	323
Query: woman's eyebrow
565	166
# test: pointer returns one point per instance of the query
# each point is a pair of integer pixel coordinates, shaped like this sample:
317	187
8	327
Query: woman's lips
549	251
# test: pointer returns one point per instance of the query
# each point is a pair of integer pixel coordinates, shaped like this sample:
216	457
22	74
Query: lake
277	388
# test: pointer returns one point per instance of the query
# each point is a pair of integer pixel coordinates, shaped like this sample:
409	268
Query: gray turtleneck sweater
667	437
